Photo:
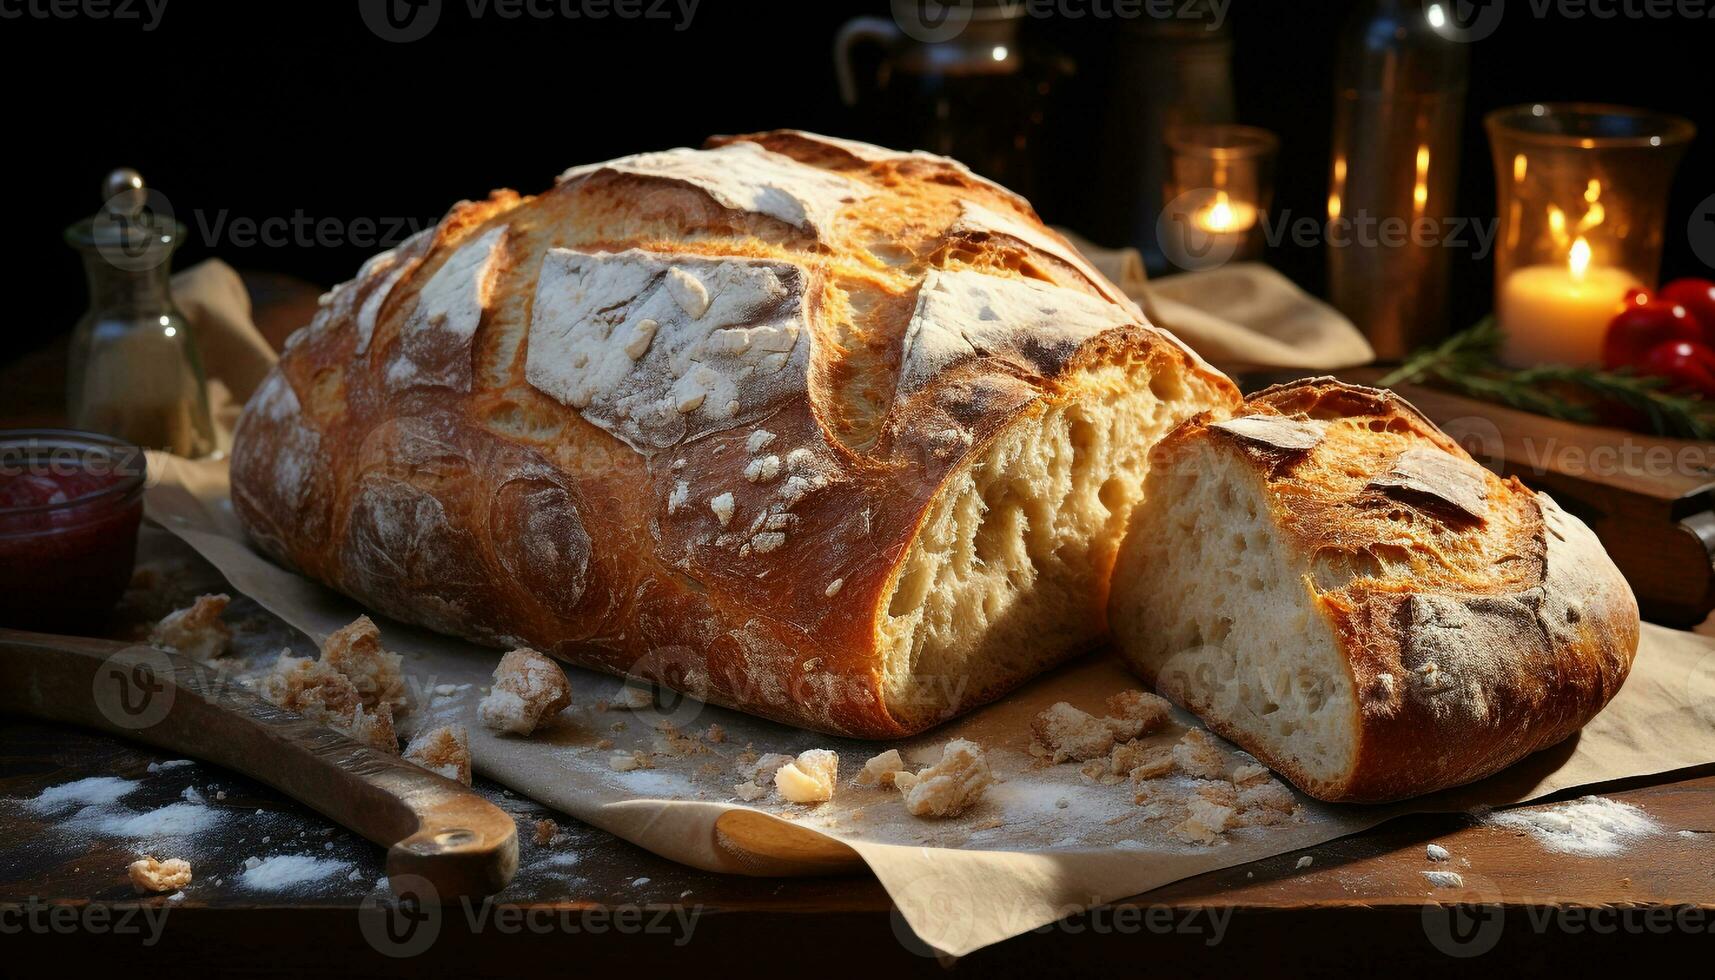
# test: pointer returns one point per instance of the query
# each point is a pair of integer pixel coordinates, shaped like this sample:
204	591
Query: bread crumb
374	728
758	441
1435	852
715	734
630	761
1266	803
528	687
314	689
195	631
1197	755
355	651
1063	732
1100	770
445	750
1218	792
834	587
606	743
545	831
1132	714
748	791
1146	761
1444	879
633	698
761	770
150	875
1247	774
1304	862
808	778
879	770
1205	823
950	786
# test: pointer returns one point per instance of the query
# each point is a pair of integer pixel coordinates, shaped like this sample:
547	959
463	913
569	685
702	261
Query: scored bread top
673	406
1479	621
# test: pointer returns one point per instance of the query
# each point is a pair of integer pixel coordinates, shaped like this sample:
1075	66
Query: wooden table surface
590	899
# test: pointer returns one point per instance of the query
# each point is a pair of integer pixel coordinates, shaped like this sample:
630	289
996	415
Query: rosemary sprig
1468	362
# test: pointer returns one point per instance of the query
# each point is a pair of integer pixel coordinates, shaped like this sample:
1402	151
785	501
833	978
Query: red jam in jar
70	505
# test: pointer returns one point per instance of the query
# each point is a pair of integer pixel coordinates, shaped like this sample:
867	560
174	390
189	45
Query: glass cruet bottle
134	369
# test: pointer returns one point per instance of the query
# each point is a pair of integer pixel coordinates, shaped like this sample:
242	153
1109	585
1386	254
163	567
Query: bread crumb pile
1190	784
355	688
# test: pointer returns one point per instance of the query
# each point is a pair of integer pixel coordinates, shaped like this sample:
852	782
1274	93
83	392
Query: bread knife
433	828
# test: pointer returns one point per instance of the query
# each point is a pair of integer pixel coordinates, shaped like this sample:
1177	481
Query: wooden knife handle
434	828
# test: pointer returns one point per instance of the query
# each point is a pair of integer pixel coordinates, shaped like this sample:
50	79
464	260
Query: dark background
260	110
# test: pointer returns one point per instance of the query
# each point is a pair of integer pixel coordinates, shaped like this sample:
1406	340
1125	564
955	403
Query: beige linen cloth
1044	842
1243	316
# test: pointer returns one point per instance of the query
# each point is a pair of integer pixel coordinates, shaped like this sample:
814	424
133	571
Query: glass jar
70	506
1220	182
134	370
1581	192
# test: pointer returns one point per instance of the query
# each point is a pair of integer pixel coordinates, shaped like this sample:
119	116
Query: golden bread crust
1479	622
448	442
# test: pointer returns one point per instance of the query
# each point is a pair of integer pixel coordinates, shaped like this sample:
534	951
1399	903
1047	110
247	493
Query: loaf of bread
1331	582
832	434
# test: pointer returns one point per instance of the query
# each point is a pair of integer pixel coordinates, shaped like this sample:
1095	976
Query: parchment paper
1044	842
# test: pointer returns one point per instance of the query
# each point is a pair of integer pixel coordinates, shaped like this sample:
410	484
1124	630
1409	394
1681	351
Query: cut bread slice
1007	575
1331	582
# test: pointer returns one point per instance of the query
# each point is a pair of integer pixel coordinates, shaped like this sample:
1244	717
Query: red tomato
1698	298
1687	366
1639	327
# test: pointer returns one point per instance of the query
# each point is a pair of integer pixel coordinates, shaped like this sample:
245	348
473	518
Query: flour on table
93	791
1590	825
289	871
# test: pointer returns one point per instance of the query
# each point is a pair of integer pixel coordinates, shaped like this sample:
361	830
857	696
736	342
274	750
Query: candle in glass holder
1558	314
1225	216
1581	193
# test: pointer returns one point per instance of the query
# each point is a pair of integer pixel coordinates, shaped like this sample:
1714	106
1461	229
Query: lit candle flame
1578	259
1220	214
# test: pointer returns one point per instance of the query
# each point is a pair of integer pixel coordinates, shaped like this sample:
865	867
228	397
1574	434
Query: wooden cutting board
1649	499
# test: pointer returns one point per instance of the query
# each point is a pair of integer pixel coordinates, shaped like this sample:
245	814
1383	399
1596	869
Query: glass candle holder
1581	192
1220	182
